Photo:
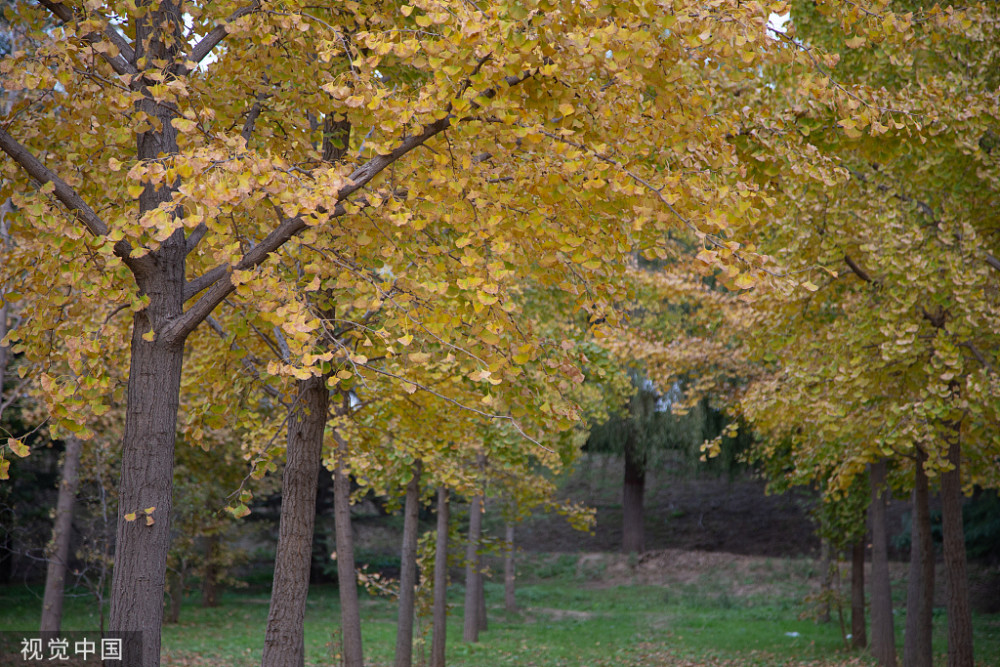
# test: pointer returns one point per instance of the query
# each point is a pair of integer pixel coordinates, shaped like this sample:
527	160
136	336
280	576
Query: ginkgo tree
169	152
890	352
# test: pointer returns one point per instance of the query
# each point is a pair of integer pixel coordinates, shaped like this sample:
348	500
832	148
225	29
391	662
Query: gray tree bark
509	594
883	639
859	629
917	650
960	647
408	570
347	578
55	576
473	577
284	640
439	638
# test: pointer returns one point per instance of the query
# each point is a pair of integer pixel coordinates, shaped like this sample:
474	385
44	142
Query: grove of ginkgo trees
365	175
890	359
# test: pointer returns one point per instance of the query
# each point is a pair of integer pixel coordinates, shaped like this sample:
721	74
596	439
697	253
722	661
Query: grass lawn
568	617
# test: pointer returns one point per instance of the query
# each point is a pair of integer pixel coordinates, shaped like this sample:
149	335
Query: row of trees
352	240
389	246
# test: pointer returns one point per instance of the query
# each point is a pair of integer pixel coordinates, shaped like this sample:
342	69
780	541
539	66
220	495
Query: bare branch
122	63
216	35
204	281
196	236
66	194
251	121
858	271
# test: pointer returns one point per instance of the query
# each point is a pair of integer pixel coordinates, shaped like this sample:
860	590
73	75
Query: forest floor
727	582
665	608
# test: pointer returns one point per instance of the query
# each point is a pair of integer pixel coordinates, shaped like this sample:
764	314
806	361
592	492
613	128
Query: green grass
565	619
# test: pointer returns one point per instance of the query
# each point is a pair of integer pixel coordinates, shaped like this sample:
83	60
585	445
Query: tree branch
223	286
216	35
67	195
858	271
992	261
204	281
122	64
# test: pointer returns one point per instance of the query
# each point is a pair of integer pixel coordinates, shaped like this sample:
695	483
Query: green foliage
661	433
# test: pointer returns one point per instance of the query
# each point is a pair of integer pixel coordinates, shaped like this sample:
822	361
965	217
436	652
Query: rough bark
509	595
347	579
473	587
883	639
440	581
917	650
137	588
55	576
147	467
859	631
284	641
408	570
210	573
633	491
960	648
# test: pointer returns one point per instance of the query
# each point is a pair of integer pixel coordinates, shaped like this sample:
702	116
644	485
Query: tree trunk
176	594
859	632
210	574
826	587
473	587
5	208
917	651
347	578
509	597
883	644
440	581
147	467
633	533
147	470
284	640
408	570
55	577
960	649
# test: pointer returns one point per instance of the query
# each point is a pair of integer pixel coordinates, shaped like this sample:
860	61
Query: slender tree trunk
633	491
960	648
470	630
5	209
210	575
439	637
408	570
55	577
347	578
284	640
859	632
917	650
826	587
175	580
883	644
481	620
509	596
